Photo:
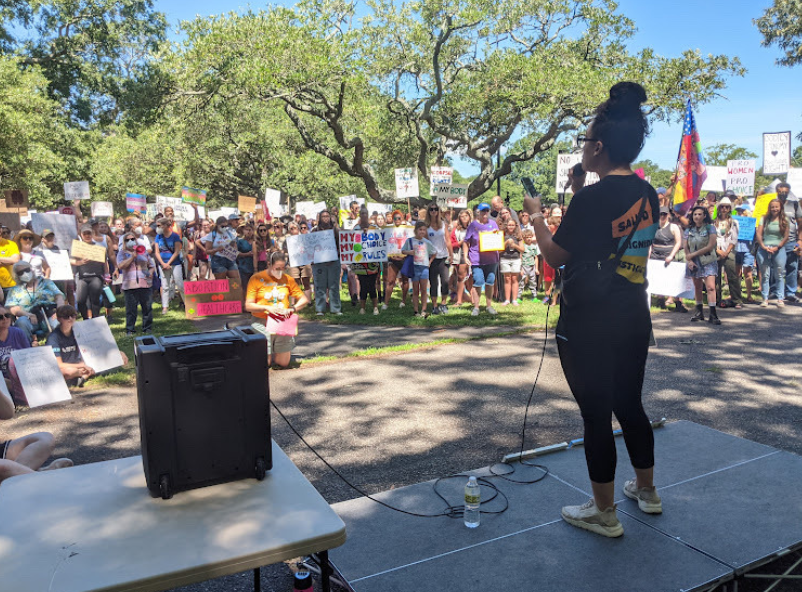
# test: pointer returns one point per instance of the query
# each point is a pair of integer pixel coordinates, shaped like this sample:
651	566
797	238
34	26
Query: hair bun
626	97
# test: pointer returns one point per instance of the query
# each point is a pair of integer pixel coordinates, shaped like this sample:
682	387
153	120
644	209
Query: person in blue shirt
168	261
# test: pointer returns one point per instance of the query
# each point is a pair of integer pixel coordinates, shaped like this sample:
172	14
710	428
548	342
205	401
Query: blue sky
767	99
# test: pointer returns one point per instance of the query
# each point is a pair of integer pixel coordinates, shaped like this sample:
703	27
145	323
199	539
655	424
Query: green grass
528	314
171	323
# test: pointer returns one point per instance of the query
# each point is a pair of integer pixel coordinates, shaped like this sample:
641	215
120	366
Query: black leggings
604	366
89	289
367	287
438	270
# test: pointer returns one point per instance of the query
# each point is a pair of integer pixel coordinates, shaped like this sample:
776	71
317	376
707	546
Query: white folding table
95	527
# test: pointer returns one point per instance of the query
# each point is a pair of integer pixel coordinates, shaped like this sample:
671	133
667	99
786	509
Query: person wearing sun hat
726	240
27	241
744	258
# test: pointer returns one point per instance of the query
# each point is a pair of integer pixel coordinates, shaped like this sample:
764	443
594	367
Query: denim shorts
746	259
484	275
222	265
421	273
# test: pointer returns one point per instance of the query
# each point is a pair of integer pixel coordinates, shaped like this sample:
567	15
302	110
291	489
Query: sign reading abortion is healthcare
364	246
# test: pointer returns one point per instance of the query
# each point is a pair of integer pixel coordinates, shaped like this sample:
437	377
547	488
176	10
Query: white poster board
345	201
313	247
776	153
40	377
794	179
716	178
102	209
564	163
63	225
186	213
273	201
668	280
60	268
450	196
76	190
379	208
406	183
97	345
308	209
441	176
741	177
163	201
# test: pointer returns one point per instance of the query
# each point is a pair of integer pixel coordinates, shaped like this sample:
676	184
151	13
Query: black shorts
397	265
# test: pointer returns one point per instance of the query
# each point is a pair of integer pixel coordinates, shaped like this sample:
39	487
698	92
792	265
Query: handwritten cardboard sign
16	200
135	202
246	204
741	176
82	250
398	235
97	345
163	202
102	209
406	183
76	190
491	241
63	225
312	247
364	246
211	298
565	162
196	196
450	196
40	376
776	153
746	228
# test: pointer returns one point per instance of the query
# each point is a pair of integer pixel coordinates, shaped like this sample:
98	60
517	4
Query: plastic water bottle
302	582
472	500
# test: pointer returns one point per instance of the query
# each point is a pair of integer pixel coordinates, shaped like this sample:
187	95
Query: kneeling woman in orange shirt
268	300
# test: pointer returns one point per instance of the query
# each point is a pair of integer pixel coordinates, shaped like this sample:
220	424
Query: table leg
325	571
257	579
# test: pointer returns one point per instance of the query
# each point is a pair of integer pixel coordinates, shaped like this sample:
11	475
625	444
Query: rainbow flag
691	170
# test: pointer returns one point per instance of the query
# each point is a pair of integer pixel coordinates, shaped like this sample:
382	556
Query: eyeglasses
302	228
68	317
434	210
7	315
26	238
263	230
580	141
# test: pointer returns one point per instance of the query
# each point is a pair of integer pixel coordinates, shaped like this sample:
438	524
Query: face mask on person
130	244
276	273
25	277
159	230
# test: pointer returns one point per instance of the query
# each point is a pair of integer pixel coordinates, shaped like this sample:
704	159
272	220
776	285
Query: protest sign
60	268
63	225
312	247
716	178
214	297
491	241
97	345
667	280
16	199
151	211
741	177
196	196
364	246
406	183
10	221
102	209
40	376
762	206
379	208
794	179
776	153
306	208
68	210
345	201
246	205
273	202
450	196
76	190
135	202
396	238
6	210
163	202
564	163
185	212
82	250
441	176
746	228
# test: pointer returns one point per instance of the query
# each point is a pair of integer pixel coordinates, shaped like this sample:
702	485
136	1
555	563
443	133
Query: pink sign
206	287
207	309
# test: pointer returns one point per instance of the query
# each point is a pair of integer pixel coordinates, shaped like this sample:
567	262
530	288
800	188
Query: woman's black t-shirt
599	219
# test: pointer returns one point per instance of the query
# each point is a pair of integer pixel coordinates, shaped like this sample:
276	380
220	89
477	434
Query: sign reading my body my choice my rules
364	246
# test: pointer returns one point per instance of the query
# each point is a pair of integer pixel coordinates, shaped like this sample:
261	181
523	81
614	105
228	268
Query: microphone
577	171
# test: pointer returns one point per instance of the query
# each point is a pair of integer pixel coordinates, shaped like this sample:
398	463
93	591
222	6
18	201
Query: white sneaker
401	305
505	303
375	312
764	304
475	312
361	311
491	310
648	499
589	517
384	306
318	314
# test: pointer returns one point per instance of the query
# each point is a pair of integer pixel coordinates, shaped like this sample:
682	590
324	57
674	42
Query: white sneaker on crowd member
764	304
375	311
475	312
443	309
589	517
318	314
361	311
780	303
491	310
647	497
384	306
401	305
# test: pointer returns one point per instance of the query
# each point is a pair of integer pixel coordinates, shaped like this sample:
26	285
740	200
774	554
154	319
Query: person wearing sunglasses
726	239
438	270
33	301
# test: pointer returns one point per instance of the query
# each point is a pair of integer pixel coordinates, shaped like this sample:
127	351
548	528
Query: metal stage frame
730	506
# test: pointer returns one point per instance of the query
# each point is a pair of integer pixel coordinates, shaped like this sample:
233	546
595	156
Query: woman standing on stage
604	326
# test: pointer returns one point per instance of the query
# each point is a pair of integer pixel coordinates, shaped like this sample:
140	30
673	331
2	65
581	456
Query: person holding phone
604	327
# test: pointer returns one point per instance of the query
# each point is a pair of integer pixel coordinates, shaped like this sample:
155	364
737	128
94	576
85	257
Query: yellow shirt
7	249
264	289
